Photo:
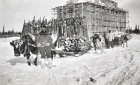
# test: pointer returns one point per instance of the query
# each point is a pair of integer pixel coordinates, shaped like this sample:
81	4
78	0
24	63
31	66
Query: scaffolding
95	17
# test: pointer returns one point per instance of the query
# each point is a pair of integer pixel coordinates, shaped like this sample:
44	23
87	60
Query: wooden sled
62	53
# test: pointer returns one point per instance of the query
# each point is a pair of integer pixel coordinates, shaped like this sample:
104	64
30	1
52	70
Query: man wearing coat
44	44
110	38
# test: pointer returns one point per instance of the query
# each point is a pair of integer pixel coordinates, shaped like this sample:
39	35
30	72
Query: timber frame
93	17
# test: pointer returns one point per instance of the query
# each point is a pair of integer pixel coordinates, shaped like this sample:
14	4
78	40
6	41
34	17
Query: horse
27	46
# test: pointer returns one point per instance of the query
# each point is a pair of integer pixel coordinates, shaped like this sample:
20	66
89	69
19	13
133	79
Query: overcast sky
14	12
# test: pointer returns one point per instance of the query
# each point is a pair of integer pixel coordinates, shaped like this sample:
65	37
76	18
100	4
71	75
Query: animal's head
18	46
96	35
128	36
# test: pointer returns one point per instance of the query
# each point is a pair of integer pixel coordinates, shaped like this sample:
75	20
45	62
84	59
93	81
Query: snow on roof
96	1
80	1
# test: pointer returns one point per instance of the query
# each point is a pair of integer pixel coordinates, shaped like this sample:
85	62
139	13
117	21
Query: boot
42	63
50	63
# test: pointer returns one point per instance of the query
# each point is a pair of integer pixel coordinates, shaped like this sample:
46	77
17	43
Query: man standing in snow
44	44
110	38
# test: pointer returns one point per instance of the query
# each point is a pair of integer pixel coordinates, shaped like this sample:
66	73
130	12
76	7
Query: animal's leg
126	44
95	46
119	43
28	61
123	44
35	61
53	53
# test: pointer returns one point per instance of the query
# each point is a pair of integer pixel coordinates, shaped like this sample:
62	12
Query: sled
62	53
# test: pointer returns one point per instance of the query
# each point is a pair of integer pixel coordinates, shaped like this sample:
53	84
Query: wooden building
98	16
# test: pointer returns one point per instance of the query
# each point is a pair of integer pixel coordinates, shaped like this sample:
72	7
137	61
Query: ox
98	42
122	40
27	46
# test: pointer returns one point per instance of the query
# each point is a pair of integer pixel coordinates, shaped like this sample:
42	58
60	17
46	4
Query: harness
20	43
27	44
32	45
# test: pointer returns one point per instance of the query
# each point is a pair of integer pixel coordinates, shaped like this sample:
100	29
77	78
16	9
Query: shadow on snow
20	60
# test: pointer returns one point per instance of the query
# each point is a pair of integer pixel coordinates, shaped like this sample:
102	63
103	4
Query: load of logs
73	45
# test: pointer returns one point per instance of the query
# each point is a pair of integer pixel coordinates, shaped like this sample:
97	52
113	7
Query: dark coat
44	38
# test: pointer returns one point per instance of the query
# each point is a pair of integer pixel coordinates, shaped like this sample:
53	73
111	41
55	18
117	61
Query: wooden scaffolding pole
95	19
62	30
74	11
82	11
62	13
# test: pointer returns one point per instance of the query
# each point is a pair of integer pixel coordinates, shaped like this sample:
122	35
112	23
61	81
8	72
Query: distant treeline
9	34
135	31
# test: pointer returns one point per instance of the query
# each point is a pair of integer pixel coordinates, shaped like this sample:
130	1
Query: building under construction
98	16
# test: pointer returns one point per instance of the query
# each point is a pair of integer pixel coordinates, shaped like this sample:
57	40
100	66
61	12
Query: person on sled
44	44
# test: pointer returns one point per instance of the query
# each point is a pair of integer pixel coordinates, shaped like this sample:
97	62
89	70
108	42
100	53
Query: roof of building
98	2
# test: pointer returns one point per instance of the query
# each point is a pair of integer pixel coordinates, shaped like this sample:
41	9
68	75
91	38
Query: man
110	38
44	44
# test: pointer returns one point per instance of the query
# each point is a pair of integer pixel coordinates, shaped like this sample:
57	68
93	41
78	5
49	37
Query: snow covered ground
118	66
